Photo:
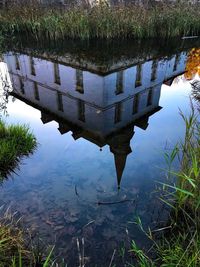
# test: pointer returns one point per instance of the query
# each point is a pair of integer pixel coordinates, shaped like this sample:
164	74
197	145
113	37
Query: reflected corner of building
103	109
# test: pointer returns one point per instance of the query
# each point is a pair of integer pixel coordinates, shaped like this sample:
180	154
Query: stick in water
113	255
189	37
116	202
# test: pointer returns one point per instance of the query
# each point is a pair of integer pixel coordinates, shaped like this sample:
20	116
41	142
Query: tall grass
180	244
101	22
16	141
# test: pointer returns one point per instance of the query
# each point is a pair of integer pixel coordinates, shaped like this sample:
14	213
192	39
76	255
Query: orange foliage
193	64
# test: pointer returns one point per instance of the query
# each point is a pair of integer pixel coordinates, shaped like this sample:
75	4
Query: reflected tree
196	92
193	64
5	89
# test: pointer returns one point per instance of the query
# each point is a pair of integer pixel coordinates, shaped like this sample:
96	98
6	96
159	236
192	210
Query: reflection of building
102	108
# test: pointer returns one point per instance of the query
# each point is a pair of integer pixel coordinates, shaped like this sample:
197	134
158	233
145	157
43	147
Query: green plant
142	259
16	141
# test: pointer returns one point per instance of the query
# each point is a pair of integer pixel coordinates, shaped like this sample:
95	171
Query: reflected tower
120	147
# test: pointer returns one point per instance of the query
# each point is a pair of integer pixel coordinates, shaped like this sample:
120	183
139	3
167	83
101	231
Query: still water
103	125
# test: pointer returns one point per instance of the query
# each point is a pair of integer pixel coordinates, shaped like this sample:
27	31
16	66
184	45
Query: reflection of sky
46	179
55	149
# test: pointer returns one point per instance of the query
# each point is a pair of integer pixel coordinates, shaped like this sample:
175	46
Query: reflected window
17	65
138	81
36	91
79	81
56	73
177	59
81	110
59	101
154	70
119	83
136	103
150	97
32	66
21	84
118	112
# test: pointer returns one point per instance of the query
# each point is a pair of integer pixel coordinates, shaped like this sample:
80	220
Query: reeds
16	141
179	244
181	247
101	22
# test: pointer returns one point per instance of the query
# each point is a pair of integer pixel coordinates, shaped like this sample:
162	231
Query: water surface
102	128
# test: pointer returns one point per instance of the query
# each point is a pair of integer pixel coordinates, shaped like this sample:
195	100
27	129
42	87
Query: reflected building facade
101	107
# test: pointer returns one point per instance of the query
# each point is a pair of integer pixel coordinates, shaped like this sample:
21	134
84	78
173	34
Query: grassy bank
179	244
15	142
101	22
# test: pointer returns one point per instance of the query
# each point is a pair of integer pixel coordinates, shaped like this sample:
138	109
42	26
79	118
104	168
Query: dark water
102	126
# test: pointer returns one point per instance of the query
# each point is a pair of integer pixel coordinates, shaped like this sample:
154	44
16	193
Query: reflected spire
120	147
120	163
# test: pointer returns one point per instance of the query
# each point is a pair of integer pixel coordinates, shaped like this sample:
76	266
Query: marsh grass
16	141
179	244
101	22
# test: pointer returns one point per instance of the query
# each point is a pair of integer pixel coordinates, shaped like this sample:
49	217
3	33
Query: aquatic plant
16	141
101	22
